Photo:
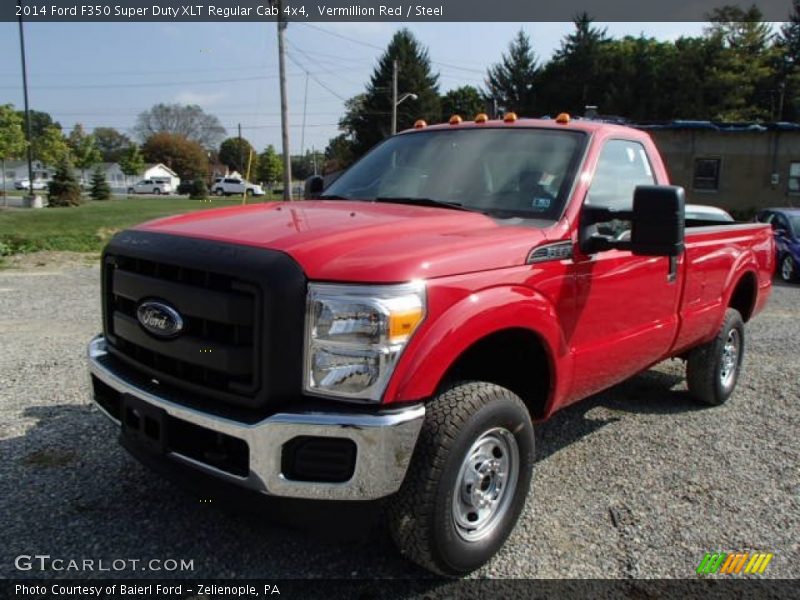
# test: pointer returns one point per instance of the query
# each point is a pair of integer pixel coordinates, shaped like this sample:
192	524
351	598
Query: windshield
501	171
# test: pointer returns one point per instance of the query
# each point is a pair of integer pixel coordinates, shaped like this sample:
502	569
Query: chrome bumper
384	442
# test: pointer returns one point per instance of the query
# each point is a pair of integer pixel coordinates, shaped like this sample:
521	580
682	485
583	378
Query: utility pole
241	151
287	158
394	96
303	129
27	108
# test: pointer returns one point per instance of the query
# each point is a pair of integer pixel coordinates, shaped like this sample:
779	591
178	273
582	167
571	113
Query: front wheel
788	269
468	480
712	369
131	191
219	192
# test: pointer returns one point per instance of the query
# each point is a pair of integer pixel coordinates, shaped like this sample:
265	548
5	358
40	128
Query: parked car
151	186
785	224
25	184
708	214
398	336
227	186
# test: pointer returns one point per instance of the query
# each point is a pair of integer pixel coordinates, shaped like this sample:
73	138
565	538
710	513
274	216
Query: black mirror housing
658	220
314	186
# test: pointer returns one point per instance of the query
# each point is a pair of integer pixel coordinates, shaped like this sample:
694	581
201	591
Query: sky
105	74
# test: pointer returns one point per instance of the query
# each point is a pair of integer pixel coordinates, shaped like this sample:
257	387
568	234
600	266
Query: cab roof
585	125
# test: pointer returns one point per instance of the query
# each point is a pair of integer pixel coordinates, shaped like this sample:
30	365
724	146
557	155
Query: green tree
235	154
131	163
84	150
51	147
339	154
184	156
100	190
368	121
63	190
111	143
512	82
788	68
12	138
270	166
573	78
465	101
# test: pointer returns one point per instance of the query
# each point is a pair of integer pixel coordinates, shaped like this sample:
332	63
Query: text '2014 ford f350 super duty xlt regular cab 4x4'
398	335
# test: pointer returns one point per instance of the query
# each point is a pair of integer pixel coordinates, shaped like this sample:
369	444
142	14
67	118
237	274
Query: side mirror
657	223
314	187
658	220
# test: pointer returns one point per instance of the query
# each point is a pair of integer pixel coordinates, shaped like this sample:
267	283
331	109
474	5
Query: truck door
626	305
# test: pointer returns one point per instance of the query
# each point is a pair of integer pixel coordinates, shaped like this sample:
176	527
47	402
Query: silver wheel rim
786	268
486	483
730	359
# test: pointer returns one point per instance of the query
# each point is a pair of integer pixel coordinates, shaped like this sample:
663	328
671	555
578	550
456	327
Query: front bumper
384	441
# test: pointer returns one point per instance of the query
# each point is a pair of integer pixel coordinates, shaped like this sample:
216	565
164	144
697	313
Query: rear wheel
468	480
131	191
157	191
712	369
788	269
219	192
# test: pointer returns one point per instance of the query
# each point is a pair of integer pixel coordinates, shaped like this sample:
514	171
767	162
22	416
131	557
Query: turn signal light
455	120
510	117
420	124
563	119
481	118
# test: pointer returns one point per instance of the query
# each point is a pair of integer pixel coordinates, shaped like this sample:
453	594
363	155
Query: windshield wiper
331	197
423	202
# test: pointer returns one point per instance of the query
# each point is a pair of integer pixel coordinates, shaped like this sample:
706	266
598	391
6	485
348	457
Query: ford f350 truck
396	337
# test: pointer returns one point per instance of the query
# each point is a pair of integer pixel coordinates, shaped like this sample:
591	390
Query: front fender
435	348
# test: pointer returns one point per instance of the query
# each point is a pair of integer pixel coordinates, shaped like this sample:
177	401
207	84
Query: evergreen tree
511	83
270	166
573	79
367	122
63	189
788	46
100	190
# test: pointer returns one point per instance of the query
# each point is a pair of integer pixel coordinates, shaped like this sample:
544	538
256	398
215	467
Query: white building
18	169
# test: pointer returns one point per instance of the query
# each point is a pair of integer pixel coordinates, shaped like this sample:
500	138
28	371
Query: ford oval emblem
159	319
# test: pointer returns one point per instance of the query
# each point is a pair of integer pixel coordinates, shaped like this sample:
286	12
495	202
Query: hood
364	241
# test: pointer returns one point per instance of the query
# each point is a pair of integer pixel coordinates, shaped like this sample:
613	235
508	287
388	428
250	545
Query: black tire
131	191
422	517
788	269
249	193
157	191
711	372
219	192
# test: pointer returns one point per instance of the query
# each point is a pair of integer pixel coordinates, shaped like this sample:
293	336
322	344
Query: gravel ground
635	482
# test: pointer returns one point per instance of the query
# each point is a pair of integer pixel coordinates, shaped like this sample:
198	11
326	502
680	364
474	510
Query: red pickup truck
397	336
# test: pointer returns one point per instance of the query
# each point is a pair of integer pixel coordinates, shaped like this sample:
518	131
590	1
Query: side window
622	166
706	174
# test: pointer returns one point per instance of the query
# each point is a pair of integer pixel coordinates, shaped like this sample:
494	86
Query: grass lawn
88	227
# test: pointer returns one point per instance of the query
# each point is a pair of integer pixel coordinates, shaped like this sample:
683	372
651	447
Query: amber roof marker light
456	120
481	118
563	119
420	124
510	117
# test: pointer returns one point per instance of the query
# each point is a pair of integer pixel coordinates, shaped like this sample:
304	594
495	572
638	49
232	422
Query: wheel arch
491	334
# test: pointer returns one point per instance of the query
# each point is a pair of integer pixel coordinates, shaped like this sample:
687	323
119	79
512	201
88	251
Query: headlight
355	335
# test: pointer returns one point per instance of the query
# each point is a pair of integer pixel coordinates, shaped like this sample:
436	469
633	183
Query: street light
395	100
403	98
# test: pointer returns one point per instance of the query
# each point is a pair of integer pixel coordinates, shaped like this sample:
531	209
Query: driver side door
626	305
